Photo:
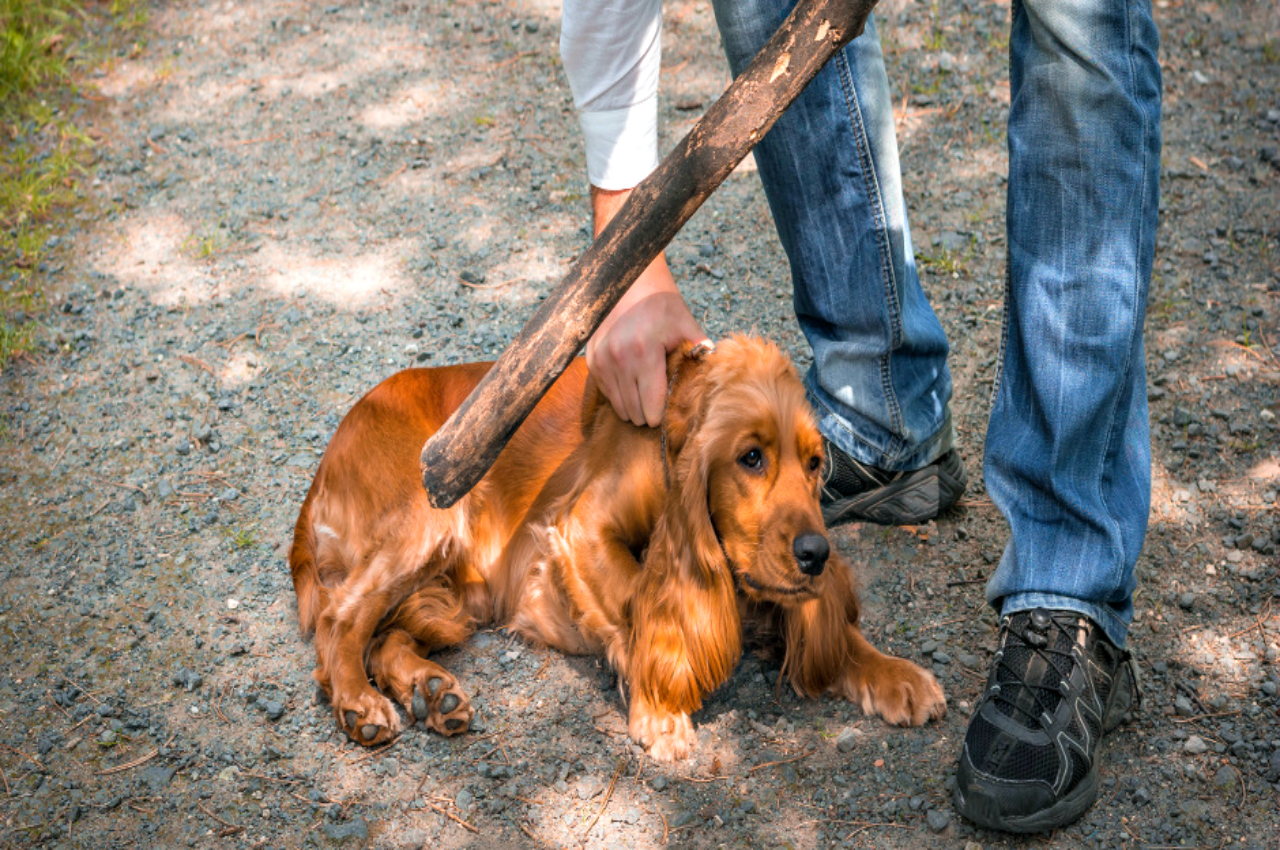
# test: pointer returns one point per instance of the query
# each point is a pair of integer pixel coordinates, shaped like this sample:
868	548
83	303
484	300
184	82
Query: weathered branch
460	453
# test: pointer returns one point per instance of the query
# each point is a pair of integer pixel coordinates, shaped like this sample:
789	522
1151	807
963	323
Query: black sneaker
855	492
1057	685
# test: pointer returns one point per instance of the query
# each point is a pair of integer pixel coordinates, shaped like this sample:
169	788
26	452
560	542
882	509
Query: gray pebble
355	830
847	741
1195	746
157	777
937	820
1187	601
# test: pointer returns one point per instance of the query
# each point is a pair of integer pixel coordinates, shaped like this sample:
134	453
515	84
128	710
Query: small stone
229	495
355	830
1187	601
1269	687
937	820
464	800
658	783
941	657
274	709
847	740
969	660
1226	777
1273	768
157	778
1183	707
1195	746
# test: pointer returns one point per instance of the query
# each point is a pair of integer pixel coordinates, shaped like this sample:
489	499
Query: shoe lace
1035	658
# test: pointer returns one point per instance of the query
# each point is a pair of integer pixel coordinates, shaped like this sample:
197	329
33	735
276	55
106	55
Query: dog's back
367	509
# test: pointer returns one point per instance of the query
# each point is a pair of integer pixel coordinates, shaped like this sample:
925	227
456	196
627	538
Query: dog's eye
815	462
753	459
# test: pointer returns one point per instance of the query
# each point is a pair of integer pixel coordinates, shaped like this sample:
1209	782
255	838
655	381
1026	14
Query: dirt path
296	199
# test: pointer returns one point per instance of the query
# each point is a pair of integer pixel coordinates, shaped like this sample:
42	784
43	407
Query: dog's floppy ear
686	396
688	456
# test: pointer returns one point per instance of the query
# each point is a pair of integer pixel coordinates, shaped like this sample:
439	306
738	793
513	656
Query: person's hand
627	355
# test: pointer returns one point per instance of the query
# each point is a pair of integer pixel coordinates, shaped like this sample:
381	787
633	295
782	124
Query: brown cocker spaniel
652	547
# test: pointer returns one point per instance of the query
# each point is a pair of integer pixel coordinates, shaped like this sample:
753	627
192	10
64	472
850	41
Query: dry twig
129	765
608	794
451	816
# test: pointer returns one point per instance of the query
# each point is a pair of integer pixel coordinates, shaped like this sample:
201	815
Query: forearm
612	52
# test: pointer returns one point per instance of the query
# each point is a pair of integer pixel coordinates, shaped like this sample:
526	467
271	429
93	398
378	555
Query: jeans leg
879	381
1068	454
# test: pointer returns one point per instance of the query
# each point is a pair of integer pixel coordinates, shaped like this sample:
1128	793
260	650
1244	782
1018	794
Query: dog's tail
302	565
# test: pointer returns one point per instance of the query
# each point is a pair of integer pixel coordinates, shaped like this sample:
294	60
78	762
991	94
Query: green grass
943	261
243	538
45	46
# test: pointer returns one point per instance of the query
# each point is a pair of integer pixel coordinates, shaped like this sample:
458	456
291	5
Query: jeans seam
1014	7
1115	427
871	179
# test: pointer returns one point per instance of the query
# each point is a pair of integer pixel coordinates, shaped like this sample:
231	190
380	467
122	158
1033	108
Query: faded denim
1068	459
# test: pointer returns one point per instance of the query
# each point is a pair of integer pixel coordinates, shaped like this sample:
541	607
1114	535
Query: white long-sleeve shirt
612	52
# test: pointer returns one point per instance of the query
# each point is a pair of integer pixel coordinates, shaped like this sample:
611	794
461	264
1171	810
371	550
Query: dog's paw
667	737
369	719
440	703
899	691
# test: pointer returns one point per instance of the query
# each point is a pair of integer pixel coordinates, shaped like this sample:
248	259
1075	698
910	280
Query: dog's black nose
811	551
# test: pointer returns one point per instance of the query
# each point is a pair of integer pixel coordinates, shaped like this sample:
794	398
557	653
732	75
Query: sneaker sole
983	808
910	500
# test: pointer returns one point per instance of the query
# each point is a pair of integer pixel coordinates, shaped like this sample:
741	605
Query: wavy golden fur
653	547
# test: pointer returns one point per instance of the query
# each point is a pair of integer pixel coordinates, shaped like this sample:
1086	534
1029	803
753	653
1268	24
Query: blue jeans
1068	458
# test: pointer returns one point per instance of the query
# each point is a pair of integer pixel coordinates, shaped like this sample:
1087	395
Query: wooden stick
460	453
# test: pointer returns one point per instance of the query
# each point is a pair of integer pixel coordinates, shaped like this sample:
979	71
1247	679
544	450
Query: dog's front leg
901	692
686	639
827	652
668	735
664	690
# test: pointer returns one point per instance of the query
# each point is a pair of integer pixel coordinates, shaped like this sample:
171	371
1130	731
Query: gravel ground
295	199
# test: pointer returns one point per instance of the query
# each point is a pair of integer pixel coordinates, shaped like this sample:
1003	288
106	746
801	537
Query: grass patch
942	261
45	45
243	538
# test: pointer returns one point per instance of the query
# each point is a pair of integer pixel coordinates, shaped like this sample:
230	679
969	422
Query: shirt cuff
622	144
